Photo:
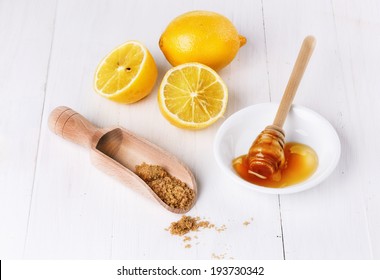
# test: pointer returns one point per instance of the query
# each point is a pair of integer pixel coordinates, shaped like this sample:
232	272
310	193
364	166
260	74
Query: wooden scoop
117	151
266	155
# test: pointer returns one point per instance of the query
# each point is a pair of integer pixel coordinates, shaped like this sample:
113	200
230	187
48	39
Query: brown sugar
149	173
220	229
246	223
187	224
218	257
169	189
186	238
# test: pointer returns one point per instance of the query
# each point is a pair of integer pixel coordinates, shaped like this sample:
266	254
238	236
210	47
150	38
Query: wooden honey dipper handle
72	126
295	78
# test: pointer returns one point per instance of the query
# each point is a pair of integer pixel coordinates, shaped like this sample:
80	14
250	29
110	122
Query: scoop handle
295	78
72	126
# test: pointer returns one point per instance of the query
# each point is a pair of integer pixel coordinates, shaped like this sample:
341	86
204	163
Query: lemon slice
192	96
127	74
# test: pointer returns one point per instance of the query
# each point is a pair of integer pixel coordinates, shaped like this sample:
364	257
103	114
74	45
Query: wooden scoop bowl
266	155
117	151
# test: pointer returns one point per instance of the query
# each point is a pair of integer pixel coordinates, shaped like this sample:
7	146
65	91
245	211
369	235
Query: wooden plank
73	203
357	30
339	218
78	212
26	30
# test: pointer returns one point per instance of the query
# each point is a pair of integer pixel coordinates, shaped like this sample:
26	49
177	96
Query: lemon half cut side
192	96
127	74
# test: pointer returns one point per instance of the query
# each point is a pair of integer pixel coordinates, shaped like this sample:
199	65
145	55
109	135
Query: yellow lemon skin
127	74
201	36
141	87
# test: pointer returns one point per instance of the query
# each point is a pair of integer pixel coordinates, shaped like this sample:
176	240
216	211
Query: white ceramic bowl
236	134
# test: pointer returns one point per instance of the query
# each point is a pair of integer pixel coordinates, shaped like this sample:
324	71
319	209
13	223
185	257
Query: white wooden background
55	204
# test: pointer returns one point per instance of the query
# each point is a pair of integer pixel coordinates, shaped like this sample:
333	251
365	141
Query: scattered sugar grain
218	257
186	238
246	223
220	229
187	224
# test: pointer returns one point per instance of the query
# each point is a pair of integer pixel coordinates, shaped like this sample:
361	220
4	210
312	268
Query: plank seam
282	230
270	99
40	128
346	99
266	50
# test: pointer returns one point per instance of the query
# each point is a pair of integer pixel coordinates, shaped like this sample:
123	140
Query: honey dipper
266	155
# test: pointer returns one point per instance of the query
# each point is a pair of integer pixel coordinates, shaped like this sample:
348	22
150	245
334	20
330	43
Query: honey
301	161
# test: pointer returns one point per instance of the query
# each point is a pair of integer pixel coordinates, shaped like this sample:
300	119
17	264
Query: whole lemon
201	36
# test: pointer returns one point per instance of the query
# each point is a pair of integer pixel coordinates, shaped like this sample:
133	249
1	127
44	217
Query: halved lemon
127	74
192	96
